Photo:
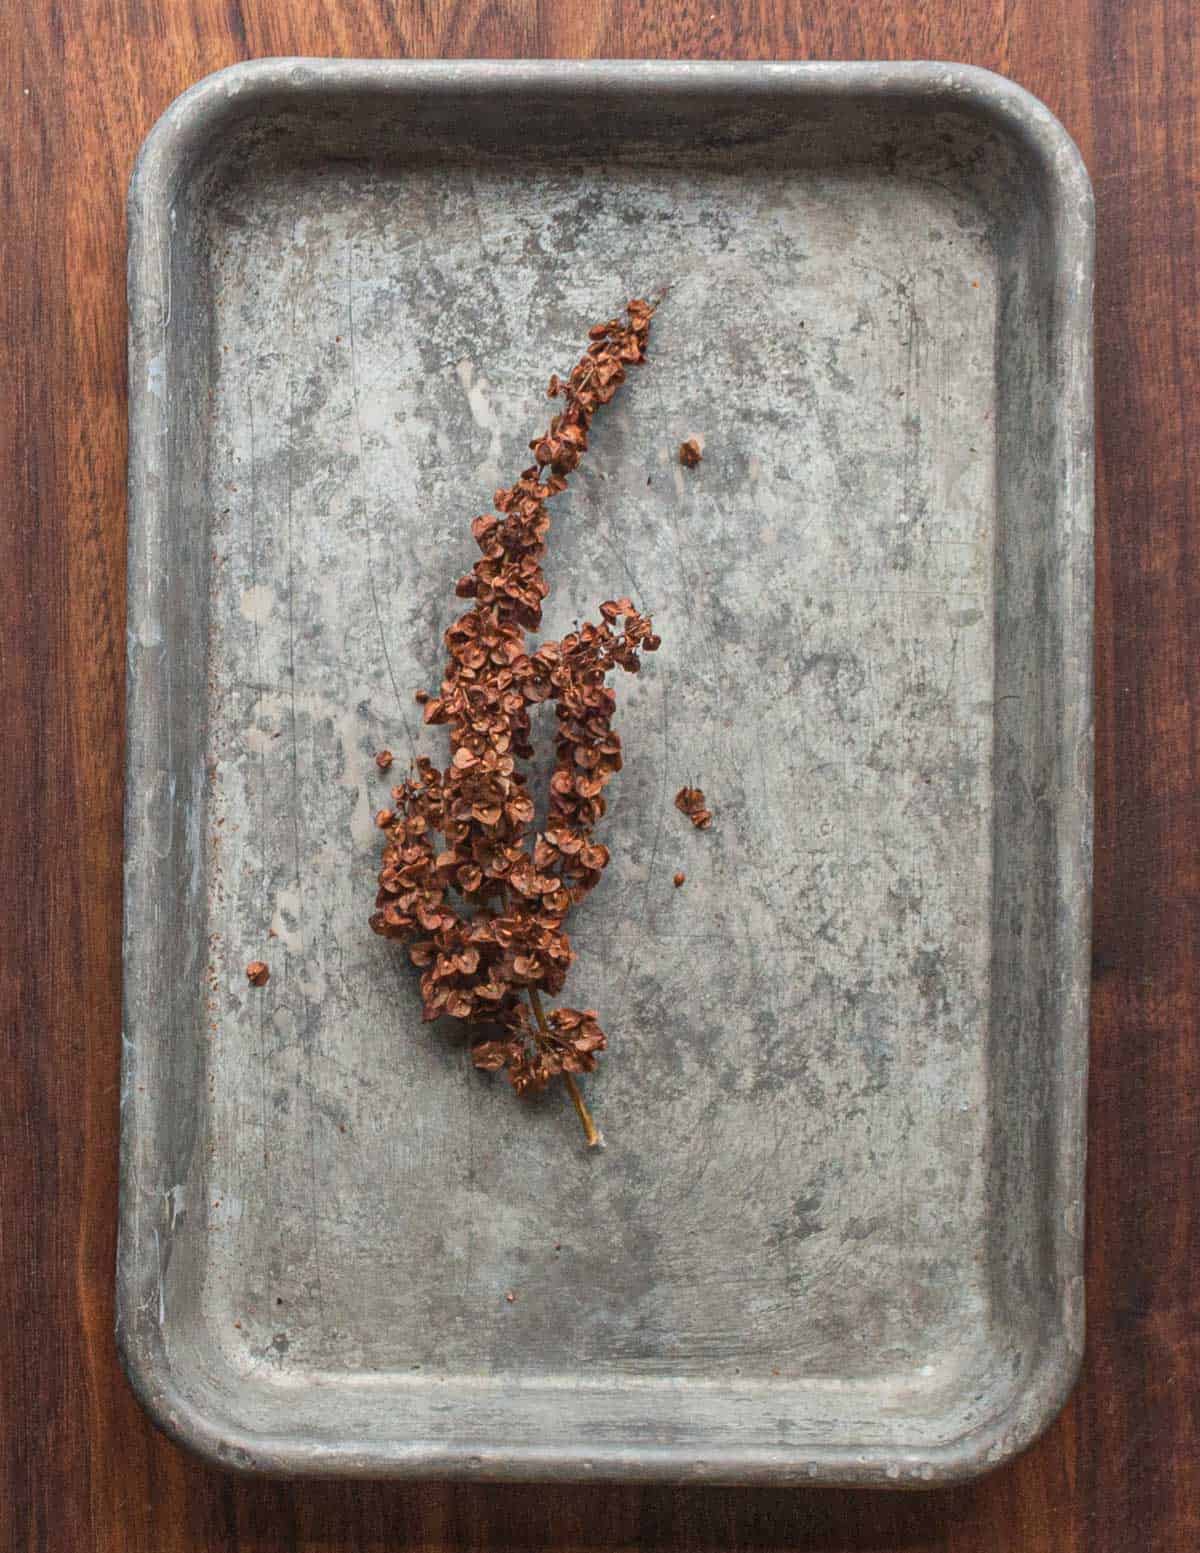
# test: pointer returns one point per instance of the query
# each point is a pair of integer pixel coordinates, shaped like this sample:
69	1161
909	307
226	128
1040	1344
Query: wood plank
83	1469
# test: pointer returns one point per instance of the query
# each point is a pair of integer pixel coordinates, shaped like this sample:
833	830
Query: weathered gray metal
836	1235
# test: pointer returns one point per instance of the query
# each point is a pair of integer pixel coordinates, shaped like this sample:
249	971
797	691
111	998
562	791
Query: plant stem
590	1131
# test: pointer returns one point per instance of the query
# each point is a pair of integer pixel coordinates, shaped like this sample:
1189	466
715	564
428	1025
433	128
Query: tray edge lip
192	111
184	126
989	1445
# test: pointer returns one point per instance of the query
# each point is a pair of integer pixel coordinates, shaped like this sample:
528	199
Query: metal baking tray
836	1233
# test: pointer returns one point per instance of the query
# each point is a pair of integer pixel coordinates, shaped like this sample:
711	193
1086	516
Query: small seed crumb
258	973
384	759
689	453
680	878
691	801
510	1297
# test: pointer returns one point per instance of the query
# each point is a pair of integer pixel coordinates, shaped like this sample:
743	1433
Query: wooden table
82	1468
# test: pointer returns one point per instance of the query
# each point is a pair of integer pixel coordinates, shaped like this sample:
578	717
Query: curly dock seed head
483	909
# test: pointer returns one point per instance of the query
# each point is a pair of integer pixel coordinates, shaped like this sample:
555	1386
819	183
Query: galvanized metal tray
835	1235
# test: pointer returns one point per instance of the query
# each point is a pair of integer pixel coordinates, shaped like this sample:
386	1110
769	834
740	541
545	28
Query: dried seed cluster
691	801
503	939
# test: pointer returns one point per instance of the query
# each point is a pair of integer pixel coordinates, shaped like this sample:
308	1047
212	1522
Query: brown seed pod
691	801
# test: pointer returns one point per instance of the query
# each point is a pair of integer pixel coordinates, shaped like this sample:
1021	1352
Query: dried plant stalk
483	908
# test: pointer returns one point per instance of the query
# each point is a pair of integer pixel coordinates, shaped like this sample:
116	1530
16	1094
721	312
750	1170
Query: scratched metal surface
835	1231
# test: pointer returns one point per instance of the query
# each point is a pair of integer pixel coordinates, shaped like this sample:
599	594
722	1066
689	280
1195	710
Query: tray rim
185	127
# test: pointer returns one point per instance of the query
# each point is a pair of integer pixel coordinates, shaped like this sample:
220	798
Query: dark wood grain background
81	1469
